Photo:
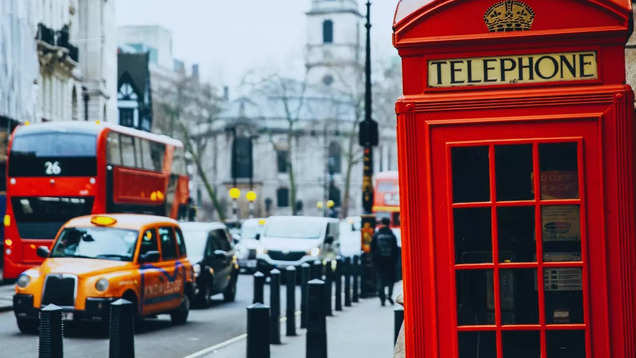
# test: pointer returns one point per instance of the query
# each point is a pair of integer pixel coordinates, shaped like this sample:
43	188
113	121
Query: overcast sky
229	37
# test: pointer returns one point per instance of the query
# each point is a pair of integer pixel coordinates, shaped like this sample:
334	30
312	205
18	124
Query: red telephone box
517	178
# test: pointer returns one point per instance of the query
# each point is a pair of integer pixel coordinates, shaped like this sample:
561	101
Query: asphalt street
157	337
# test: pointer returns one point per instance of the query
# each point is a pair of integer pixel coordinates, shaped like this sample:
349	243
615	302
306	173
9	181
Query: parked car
97	259
211	251
294	240
247	247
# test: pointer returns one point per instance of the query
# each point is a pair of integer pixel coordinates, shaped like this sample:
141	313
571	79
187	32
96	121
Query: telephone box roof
408	7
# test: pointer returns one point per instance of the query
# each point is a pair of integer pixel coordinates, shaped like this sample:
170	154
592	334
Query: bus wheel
180	315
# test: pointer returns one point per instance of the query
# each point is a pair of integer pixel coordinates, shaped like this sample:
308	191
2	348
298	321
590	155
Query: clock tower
334	55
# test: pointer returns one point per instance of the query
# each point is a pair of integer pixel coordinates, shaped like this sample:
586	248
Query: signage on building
497	70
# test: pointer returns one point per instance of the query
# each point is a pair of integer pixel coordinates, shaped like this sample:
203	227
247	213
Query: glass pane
561	233
470	174
559	174
472	235
513	172
477	344
565	344
515	230
563	295
475	300
519	298
521	344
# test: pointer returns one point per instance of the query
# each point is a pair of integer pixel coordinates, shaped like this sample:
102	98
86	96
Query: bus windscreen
53	154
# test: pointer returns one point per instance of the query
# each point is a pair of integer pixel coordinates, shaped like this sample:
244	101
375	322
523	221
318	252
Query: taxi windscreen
96	243
53	154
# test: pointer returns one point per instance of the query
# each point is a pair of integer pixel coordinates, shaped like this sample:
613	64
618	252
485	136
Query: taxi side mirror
257	236
329	240
150	256
43	251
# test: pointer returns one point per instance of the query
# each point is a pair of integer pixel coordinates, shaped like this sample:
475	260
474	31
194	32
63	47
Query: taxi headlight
101	285
197	269
314	252
23	281
261	251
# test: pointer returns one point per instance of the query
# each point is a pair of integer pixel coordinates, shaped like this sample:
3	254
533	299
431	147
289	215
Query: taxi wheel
28	326
204	297
229	295
180	315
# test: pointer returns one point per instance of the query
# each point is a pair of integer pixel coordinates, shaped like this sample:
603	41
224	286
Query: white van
294	240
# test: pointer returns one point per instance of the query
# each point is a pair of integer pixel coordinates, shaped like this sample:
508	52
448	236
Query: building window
242	158
282	197
127	117
282	157
334	164
327	31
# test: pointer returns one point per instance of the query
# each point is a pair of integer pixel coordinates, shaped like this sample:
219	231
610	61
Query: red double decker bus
60	170
386	198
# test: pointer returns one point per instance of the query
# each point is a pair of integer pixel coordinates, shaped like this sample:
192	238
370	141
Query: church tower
334	47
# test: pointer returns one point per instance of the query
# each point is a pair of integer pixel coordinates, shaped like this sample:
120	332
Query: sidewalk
363	330
6	297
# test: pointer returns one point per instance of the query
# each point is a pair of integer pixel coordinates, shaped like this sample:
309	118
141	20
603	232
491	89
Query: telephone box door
512	203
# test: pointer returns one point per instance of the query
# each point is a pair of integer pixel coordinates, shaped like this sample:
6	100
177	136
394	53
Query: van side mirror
257	237
43	251
150	256
329	240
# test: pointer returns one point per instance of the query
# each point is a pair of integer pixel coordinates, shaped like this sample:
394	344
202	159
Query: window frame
539	264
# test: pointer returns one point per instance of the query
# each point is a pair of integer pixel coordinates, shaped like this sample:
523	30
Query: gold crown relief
509	15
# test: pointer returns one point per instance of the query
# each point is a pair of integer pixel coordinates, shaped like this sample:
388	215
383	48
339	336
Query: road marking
230	341
216	347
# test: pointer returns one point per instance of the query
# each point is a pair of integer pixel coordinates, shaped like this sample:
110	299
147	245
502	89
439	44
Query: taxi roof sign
103	220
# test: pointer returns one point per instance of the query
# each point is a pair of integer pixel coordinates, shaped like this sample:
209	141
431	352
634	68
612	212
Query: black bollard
304	294
316	270
356	275
316	345
328	288
51	332
347	277
259	287
258	331
363	277
398	319
122	329
338	279
274	302
291	301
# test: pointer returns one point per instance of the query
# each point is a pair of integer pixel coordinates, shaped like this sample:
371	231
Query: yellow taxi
97	259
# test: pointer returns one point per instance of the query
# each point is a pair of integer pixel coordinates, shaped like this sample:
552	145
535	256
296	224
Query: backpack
384	245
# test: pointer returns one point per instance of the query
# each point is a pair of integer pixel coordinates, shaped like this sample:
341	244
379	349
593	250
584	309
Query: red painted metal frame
597	114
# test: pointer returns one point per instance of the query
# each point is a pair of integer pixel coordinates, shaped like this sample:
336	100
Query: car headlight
261	251
23	281
197	269
101	285
314	252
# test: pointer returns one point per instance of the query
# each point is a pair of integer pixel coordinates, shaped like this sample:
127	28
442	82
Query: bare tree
188	104
289	94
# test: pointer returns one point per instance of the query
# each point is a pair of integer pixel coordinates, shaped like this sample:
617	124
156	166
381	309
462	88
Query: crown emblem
509	15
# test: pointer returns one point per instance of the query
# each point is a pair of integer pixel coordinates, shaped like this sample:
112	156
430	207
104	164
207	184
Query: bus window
157	153
147	157
113	153
138	154
127	150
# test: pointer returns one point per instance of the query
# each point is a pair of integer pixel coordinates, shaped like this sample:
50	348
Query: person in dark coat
384	252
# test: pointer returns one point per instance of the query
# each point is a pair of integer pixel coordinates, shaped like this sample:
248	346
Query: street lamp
235	193
251	197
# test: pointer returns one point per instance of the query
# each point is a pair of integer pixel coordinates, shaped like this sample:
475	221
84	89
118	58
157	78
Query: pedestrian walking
384	252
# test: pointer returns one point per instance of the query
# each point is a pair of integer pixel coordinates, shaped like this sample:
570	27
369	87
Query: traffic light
368	133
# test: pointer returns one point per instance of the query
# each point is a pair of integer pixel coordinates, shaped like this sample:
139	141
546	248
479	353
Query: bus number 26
52	168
